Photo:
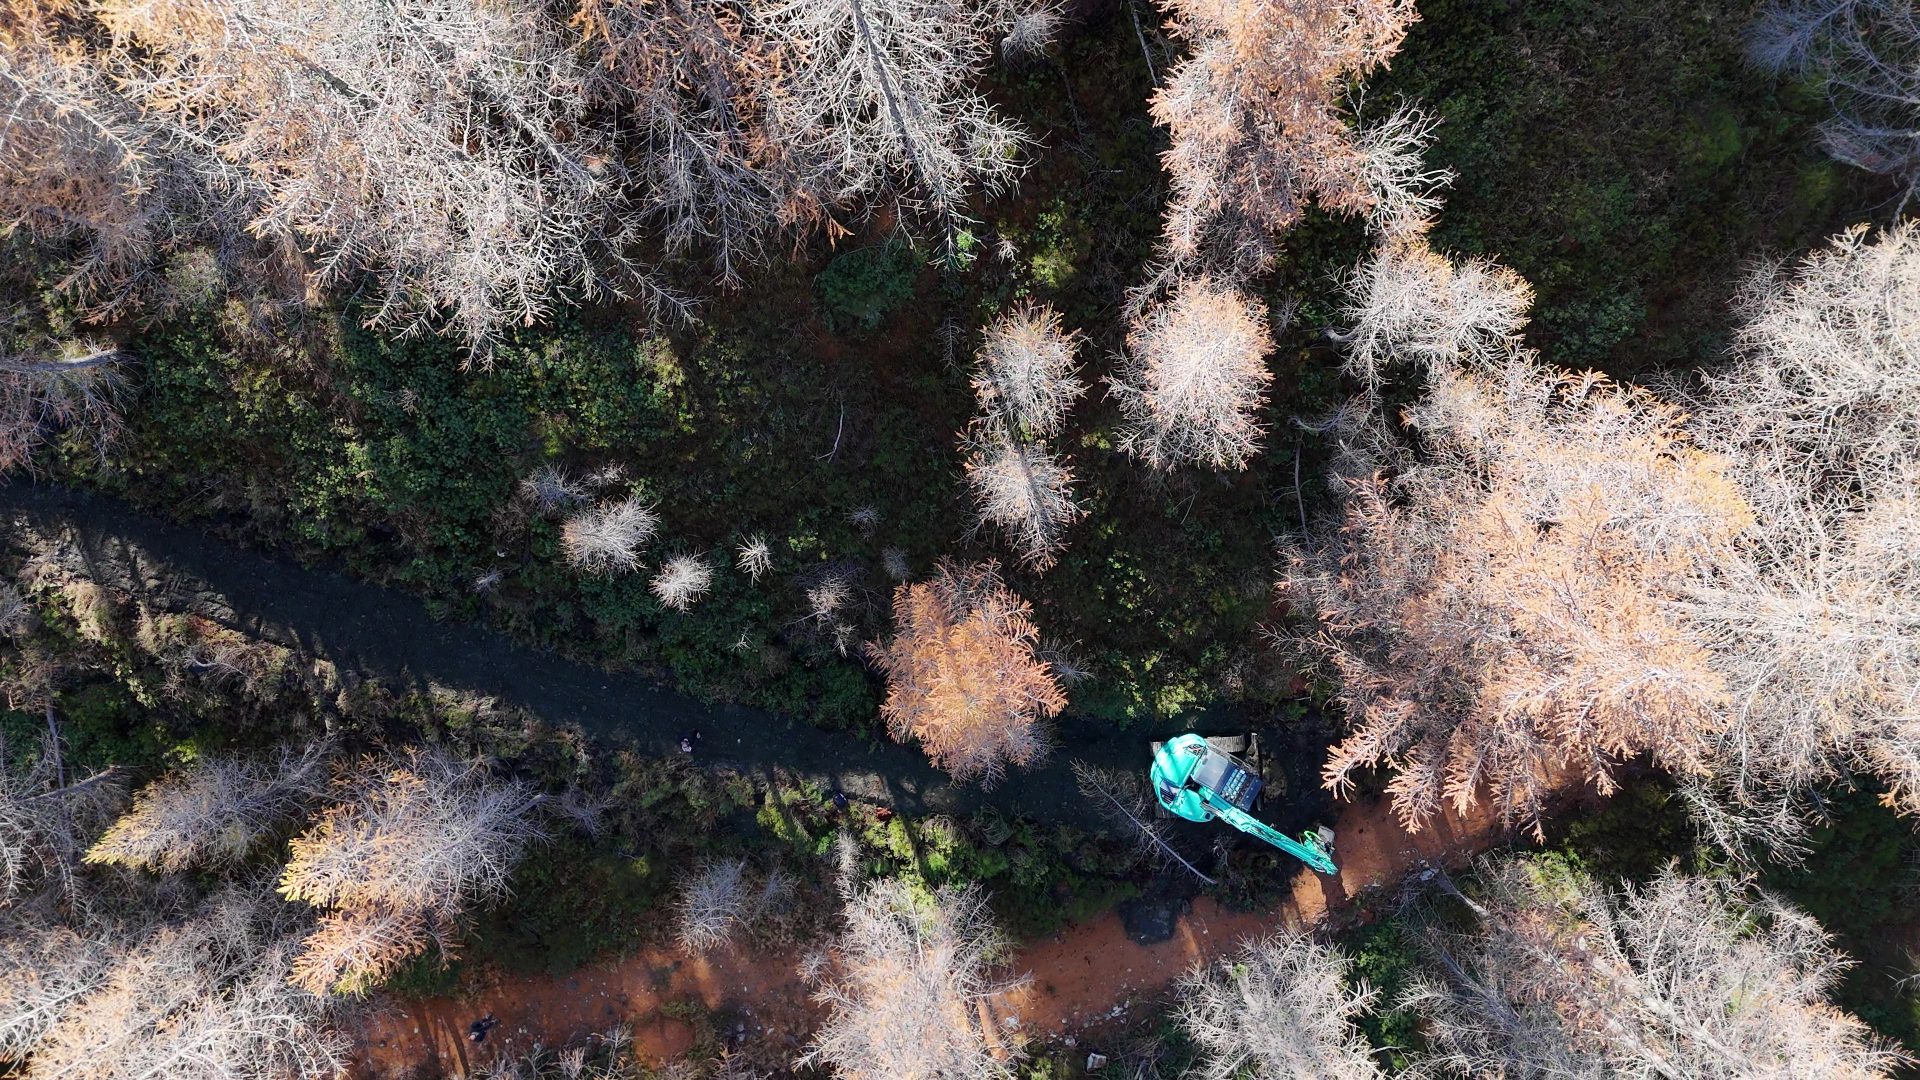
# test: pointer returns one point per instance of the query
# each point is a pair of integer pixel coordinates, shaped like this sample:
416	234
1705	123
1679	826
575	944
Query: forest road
1084	978
380	632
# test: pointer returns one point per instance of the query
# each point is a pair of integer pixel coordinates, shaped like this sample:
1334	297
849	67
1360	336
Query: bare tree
698	77
1031	28
877	100
713	902
1408	303
584	808
1025	377
1827	360
754	557
1254	120
83	164
1692	978
1812	618
1498	609
1866	53
442	155
16	611
832	593
682	581
1124	799
425	832
205	996
1814	630
894	562
1282	1009
73	387
1022	489
1194	378
961	673
1403	188
550	488
49	966
607	538
914	974
1065	658
412	844
46	822
214	813
1025	382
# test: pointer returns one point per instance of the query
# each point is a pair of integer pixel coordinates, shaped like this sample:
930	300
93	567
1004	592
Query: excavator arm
1197	781
1307	849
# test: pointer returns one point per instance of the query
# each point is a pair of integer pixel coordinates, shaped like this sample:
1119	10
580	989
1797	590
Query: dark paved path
377	631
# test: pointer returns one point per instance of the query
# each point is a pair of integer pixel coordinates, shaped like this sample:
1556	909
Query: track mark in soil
753	997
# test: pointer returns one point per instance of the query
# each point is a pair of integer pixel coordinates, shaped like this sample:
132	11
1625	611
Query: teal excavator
1198	781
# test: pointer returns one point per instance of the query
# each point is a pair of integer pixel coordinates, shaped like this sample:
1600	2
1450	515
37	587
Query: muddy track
383	633
1086	981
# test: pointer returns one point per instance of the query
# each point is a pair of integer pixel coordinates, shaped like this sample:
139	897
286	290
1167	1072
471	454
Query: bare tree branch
915	972
1283	1008
1194	378
1685	978
1499	607
214	813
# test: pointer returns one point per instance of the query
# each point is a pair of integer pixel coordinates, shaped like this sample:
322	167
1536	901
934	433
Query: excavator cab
1190	765
1197	779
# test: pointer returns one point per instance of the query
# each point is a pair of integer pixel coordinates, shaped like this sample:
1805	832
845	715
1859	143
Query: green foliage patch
1386	958
1860	881
1625	159
857	290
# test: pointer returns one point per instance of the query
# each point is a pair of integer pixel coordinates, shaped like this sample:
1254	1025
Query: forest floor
386	634
1082	981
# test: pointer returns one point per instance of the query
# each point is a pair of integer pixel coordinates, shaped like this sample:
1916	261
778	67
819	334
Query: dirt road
1085	980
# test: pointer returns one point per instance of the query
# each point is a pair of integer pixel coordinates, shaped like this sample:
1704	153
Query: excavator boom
1197	781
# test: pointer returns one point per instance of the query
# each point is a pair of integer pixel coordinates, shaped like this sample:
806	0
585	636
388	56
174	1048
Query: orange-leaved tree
1498	606
411	845
1254	119
962	675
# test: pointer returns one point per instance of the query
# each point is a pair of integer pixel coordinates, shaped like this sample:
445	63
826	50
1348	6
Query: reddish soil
1090	975
1084	978
641	992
